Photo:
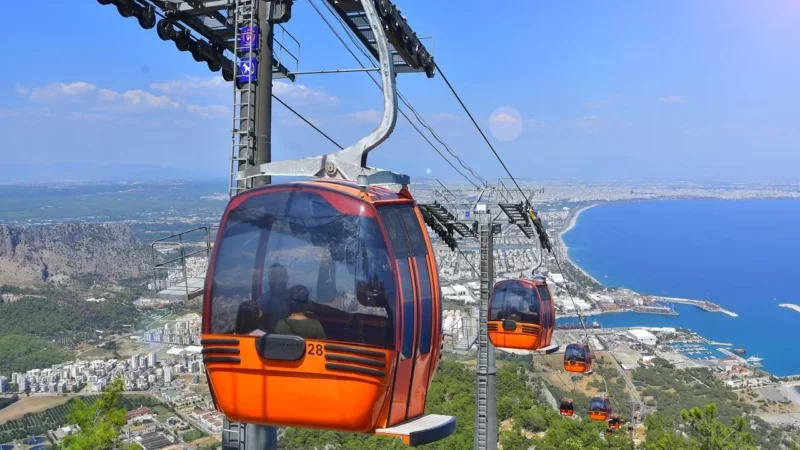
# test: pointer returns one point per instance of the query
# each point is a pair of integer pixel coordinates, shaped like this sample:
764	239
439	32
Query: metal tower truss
445	219
408	53
213	21
517	215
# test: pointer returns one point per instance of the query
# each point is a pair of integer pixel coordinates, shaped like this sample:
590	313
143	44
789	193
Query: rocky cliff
61	252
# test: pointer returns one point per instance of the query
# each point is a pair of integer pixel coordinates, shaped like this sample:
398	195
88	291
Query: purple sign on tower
248	70
248	38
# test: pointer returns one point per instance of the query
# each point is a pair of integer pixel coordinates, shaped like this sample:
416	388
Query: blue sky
675	89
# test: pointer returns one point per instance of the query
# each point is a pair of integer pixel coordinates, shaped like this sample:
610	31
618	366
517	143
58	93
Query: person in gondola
248	319
274	303
298	323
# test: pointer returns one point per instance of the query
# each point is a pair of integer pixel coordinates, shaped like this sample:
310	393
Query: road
635	397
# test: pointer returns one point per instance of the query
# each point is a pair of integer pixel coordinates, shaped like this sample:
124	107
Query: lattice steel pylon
246	47
486	402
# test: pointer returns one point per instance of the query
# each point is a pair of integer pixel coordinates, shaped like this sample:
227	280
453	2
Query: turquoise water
743	255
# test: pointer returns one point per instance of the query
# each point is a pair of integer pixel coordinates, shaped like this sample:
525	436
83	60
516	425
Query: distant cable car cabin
600	408
567	407
522	315
578	358
322	309
614	422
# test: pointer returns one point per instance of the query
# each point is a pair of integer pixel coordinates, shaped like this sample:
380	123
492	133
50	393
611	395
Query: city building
643	336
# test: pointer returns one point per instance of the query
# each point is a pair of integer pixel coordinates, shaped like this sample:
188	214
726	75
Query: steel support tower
486	388
252	88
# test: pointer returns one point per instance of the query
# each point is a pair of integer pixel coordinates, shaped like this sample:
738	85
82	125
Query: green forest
527	421
36	327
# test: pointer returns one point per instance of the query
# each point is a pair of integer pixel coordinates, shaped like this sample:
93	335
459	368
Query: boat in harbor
739	351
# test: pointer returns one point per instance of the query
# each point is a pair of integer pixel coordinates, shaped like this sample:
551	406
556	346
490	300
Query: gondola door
425	355
548	316
409	342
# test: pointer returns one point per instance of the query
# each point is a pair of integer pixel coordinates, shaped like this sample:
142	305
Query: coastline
791	393
573	221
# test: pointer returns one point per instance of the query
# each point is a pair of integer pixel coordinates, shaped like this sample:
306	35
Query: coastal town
162	363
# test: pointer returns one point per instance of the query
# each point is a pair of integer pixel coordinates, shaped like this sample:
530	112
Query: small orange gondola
322	309
578	358
522	315
614	422
600	408
567	407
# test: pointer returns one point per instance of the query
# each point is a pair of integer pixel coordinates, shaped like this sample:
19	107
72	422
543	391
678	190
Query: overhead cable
306	121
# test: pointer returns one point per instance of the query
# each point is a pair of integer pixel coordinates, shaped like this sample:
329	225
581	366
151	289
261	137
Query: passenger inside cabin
298	323
274	303
248	319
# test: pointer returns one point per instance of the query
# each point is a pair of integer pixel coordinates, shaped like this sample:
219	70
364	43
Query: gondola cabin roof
371	193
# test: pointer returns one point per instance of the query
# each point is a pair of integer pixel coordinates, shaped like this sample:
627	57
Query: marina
698	351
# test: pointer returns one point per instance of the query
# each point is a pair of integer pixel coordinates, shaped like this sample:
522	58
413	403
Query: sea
743	255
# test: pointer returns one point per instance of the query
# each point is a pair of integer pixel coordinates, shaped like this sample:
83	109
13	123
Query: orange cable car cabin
522	314
567	407
322	309
600	408
577	358
614	422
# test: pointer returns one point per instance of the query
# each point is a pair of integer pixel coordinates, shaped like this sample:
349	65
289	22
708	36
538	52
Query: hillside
59	253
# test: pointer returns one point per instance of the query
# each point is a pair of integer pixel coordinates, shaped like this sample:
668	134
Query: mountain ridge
61	252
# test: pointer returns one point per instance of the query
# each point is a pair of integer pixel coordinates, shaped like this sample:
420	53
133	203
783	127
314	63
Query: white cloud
53	91
302	95
673	99
95	98
90	102
206	111
192	85
292	93
135	101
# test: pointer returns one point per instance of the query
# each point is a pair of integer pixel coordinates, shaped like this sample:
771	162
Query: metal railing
186	247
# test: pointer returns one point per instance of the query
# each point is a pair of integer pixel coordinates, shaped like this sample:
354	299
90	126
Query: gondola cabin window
513	301
304	261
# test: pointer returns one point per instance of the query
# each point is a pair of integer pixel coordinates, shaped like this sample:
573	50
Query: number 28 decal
315	349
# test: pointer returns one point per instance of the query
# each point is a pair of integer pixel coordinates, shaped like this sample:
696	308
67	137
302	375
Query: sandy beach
791	393
571	225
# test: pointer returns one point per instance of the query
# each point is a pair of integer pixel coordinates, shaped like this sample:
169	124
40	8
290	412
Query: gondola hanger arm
350	162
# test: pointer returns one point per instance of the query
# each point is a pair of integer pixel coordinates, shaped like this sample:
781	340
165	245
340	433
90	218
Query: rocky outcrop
61	252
